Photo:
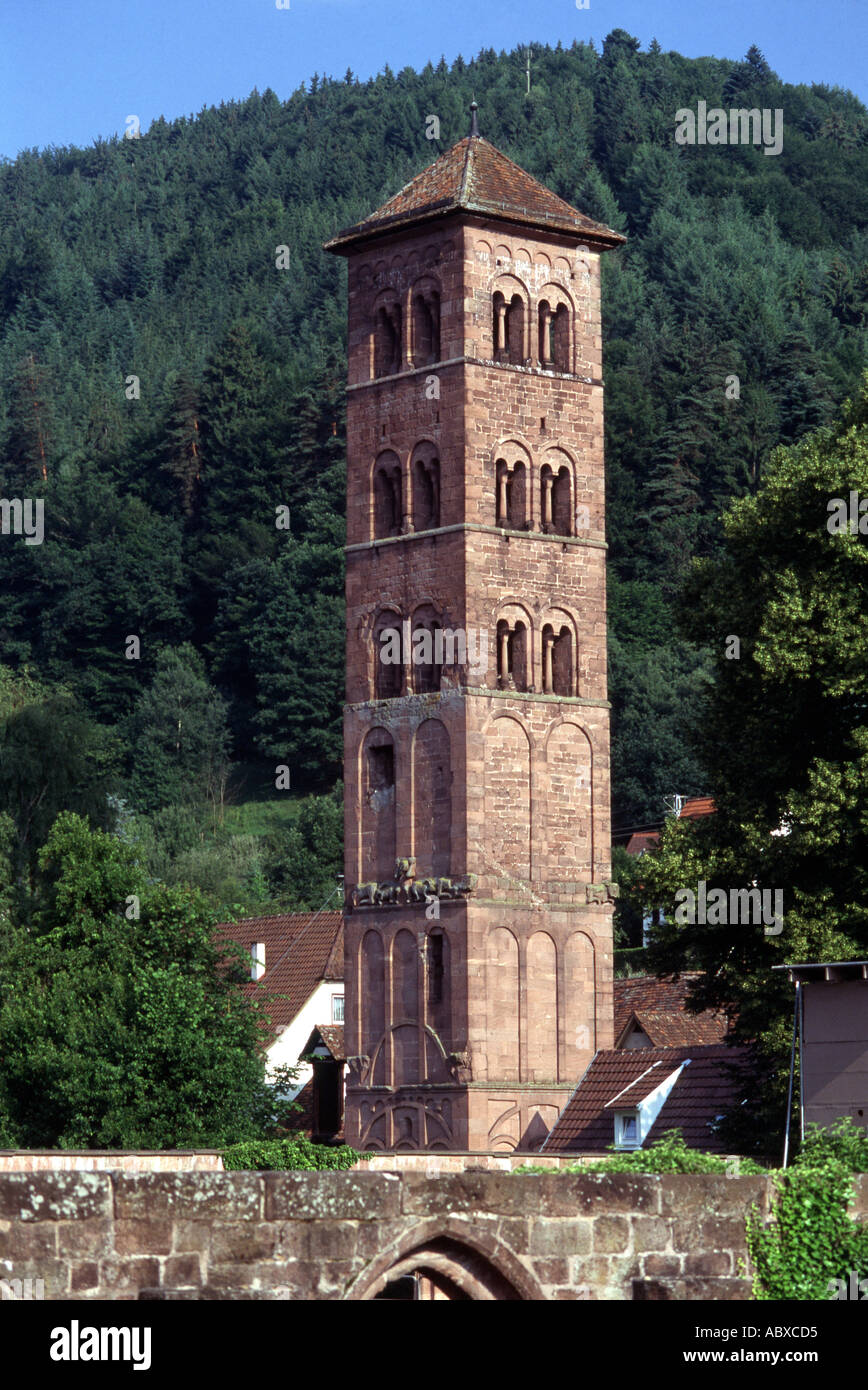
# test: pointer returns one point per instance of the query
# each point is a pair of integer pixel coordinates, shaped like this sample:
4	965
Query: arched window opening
515	330
387	340
558	676
388	657
427	648
435	968
508	329
545	324
561	339
381	768
388	508
426	328
562	511
555	509
426	494
511	503
512	655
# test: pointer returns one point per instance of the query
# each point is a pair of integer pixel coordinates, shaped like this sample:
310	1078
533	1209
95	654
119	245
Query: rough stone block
84	1276
116	1274
350	1195
180	1271
242	1241
711	1262
651	1233
690	1195
55	1196
667	1266
565	1237
195	1196
142	1237
32	1240
191	1237
610	1235
566	1194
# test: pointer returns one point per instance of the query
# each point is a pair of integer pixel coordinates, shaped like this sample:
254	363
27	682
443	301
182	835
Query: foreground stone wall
117	1235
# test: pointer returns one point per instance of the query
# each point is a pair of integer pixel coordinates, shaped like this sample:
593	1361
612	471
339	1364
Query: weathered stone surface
666	1265
569	1236
142	1237
335	1235
32	1240
54	1196
686	1195
713	1262
196	1196
584	1194
119	1273
679	1290
179	1271
610	1235
339	1196
84	1276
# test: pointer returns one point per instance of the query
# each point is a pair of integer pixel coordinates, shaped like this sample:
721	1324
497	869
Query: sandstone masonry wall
119	1235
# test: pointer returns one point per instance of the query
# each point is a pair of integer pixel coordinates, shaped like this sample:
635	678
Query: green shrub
810	1238
669	1154
295	1153
844	1141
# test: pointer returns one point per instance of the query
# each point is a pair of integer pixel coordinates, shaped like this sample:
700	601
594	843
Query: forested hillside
165	387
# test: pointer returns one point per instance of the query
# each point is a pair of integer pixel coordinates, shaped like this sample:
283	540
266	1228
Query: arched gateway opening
445	1268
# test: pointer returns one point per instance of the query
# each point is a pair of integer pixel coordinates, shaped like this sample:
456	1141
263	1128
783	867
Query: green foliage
810	1239
843	1142
178	735
669	1154
782	733
119	1030
160	510
296	1153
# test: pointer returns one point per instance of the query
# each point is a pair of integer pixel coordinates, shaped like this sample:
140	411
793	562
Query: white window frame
337	999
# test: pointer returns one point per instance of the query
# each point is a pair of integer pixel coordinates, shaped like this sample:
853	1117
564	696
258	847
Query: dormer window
627	1129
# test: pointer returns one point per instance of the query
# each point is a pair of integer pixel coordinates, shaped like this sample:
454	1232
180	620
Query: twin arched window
389	505
511	322
514	664
394	348
513	499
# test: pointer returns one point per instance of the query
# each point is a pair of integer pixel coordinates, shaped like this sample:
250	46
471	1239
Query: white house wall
285	1049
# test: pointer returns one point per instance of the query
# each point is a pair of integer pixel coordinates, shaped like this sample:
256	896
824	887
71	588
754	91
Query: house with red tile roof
297	972
629	1098
638	839
650	1012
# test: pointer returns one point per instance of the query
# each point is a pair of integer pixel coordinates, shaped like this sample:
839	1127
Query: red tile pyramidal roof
475	177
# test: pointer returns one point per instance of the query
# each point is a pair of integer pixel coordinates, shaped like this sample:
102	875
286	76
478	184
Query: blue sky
72	70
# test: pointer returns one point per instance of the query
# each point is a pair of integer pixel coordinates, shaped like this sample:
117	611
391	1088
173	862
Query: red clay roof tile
473	176
301	949
704	1090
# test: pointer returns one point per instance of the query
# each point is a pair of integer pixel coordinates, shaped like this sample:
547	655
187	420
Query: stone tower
478	968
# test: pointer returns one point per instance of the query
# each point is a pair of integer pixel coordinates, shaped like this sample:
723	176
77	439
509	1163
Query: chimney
257	960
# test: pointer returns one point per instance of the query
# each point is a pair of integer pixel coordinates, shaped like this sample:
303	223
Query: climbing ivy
811	1241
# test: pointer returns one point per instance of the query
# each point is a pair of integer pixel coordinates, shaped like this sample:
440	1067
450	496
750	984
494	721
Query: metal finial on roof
474	127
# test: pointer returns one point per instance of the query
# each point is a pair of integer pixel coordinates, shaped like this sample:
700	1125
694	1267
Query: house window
627	1129
337	1008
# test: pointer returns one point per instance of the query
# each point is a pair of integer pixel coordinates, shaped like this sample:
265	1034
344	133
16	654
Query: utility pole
527	69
